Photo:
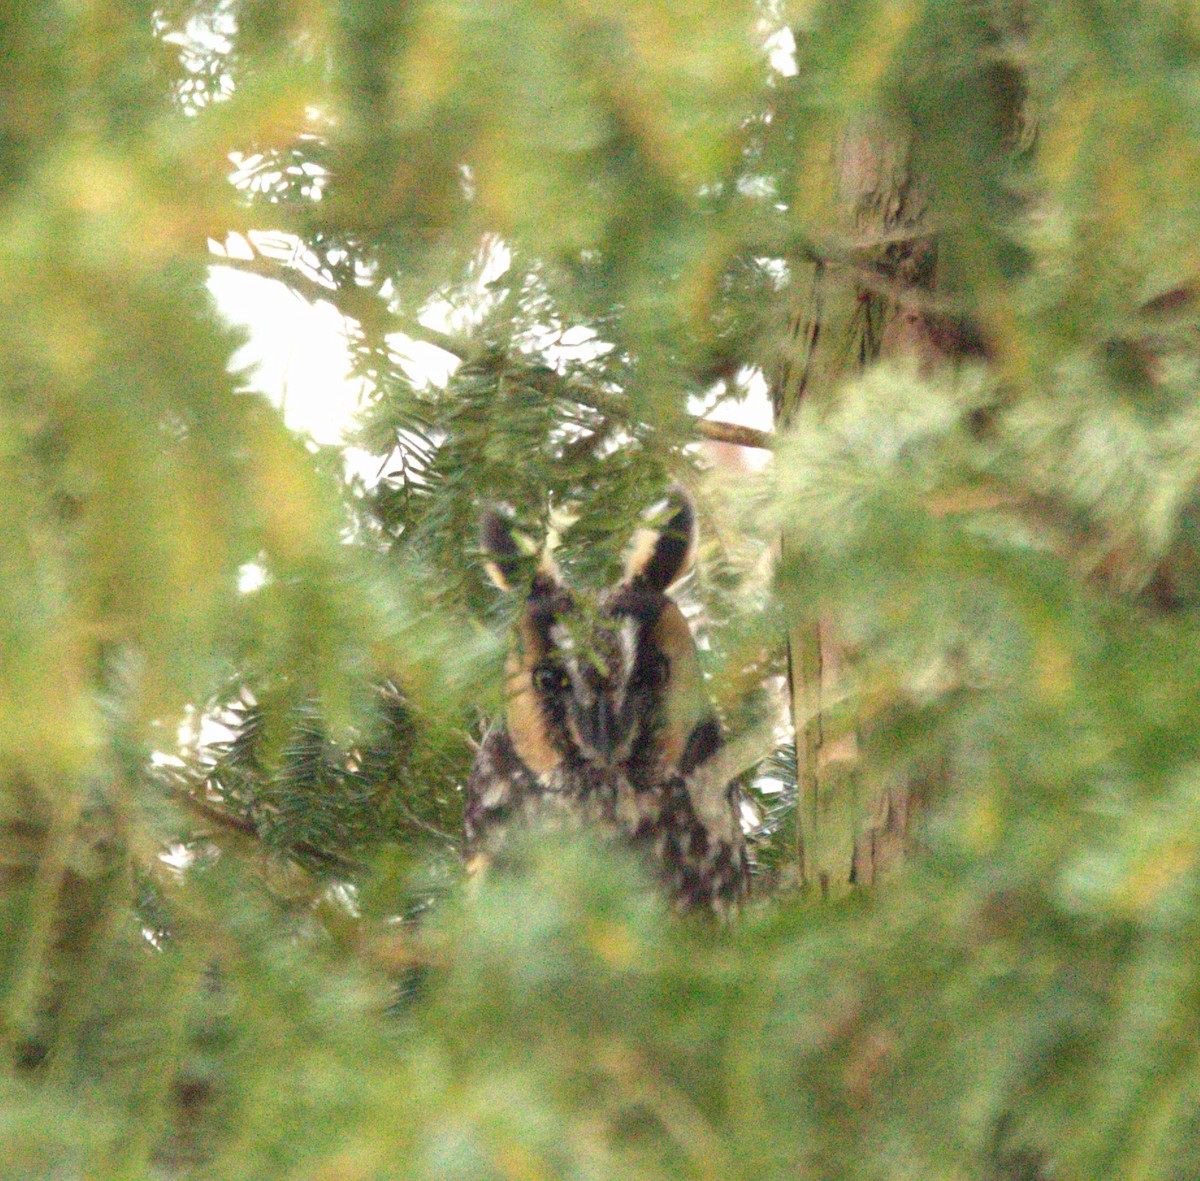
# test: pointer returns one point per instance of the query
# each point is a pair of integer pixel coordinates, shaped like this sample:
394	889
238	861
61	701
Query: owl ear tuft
661	553
499	545
512	556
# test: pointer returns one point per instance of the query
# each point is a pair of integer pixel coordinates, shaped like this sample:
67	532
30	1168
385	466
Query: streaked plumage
607	724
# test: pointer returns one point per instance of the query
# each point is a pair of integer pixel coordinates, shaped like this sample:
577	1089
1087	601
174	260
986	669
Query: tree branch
361	304
731	432
364	306
240	824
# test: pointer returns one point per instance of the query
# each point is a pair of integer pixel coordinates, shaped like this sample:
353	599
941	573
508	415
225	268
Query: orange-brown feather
527	725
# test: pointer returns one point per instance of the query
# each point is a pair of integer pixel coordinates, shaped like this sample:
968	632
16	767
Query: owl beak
600	729
604	728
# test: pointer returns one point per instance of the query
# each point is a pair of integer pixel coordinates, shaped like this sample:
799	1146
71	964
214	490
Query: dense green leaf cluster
239	689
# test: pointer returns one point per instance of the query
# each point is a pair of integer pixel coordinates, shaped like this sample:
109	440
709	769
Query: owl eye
549	678
653	670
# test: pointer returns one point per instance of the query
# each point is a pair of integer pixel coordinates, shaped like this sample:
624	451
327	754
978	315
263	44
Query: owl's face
610	683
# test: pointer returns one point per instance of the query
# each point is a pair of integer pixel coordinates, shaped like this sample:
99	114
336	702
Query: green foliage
242	948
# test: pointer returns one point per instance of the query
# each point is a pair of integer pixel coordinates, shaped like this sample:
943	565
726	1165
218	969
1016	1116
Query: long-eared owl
607	723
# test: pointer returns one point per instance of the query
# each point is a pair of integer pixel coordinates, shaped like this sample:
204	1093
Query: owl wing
496	789
697	841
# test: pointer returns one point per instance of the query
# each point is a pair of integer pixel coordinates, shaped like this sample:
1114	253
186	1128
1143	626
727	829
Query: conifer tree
954	242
